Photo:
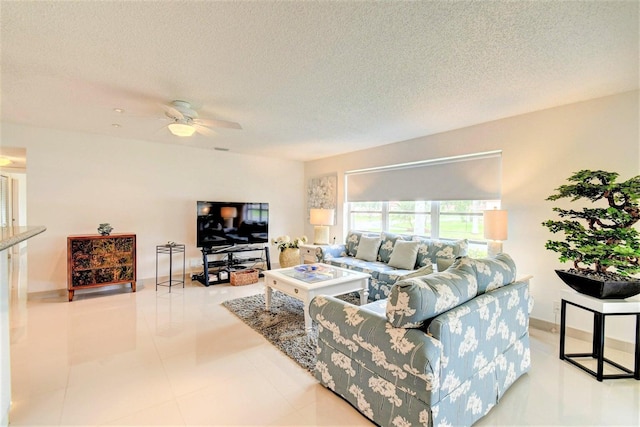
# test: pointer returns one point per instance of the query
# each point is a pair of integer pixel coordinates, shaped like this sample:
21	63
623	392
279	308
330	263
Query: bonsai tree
601	240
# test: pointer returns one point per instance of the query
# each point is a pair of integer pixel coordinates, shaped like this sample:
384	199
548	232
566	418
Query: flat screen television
232	223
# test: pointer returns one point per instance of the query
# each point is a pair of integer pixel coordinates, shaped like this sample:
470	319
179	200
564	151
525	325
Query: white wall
540	150
5	351
77	181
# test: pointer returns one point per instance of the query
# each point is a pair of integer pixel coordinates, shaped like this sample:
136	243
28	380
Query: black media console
232	258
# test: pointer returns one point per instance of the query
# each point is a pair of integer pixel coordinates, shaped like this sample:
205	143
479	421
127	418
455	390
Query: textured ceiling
308	79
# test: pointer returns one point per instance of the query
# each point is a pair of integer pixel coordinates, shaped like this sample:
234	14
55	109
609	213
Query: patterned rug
283	326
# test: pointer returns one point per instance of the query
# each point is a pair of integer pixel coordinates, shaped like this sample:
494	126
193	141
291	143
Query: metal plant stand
170	249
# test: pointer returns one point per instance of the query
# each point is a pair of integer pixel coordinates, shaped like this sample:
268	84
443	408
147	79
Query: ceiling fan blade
172	112
204	130
218	123
161	130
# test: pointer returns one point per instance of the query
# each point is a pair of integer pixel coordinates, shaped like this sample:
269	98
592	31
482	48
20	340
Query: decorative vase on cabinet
289	257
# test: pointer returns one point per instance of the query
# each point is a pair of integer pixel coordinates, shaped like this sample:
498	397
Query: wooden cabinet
94	261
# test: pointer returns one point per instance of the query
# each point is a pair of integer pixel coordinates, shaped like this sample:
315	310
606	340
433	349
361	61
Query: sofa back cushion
413	301
423	258
430	251
448	250
493	272
387	245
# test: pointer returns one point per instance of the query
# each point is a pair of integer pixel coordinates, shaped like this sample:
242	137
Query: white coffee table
324	280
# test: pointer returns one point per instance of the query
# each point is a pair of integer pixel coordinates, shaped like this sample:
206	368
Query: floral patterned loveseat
426	254
441	351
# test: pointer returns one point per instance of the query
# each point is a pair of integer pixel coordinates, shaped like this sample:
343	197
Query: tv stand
234	258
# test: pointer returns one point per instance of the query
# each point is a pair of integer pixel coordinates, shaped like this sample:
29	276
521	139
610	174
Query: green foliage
598	238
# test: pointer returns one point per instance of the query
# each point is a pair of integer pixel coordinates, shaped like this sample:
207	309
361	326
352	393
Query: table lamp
322	219
495	229
228	213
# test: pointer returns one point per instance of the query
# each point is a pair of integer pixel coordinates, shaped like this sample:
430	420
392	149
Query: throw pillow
414	301
404	255
368	248
422	271
444	263
388	242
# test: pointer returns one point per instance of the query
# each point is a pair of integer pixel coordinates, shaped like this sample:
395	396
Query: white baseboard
611	343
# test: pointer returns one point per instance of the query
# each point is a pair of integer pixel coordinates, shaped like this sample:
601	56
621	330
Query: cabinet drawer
284	287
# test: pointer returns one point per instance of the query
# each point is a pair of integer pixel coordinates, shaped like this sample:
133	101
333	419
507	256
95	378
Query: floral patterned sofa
441	351
383	265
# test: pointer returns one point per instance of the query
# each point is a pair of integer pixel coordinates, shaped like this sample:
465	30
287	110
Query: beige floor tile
164	414
180	358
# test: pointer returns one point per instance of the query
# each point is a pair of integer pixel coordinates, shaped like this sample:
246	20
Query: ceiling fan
185	121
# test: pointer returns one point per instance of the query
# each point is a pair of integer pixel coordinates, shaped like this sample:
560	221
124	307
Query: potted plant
289	250
600	239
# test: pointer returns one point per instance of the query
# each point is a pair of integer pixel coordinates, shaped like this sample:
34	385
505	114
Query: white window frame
435	221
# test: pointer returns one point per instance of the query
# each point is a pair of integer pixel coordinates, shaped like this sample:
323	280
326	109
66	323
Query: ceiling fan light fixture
181	129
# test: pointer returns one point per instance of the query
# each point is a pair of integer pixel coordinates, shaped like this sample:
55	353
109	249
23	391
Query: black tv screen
232	223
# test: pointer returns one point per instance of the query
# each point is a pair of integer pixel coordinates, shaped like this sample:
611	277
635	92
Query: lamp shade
181	129
321	216
228	212
495	224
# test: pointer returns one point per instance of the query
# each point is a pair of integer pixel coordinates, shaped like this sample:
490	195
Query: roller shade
471	177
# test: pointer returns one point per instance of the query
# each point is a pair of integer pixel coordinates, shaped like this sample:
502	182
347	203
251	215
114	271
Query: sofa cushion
387	245
350	263
391	276
353	239
423	259
368	248
444	263
413	301
493	272
377	307
448	250
422	271
404	255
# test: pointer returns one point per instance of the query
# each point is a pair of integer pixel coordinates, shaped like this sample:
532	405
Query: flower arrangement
285	242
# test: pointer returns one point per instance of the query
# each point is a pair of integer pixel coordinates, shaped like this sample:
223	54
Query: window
366	216
451	219
258	212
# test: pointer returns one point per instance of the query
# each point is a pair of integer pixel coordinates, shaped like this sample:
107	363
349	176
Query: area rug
283	326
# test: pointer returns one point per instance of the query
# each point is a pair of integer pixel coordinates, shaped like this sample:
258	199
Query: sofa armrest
395	353
477	333
327	252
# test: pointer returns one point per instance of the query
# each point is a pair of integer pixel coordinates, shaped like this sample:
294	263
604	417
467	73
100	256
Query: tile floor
158	358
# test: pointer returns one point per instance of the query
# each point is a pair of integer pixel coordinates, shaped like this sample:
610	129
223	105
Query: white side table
308	254
601	308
